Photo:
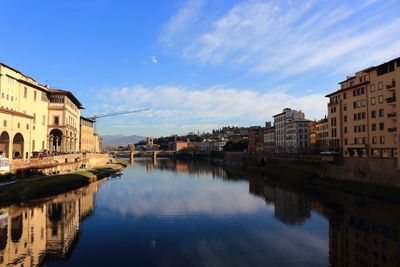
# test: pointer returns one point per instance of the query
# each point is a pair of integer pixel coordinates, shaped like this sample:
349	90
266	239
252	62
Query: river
177	213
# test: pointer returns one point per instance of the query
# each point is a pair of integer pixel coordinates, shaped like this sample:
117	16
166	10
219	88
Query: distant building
131	147
256	140
98	143
217	145
322	135
297	139
269	140
179	145
313	137
280	121
86	135
150	141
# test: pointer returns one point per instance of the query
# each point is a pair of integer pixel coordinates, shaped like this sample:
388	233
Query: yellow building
87	139
362	114
23	114
64	121
322	135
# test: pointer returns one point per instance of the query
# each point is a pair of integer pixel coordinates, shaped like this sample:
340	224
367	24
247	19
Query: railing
394	129
391	99
391	86
392	114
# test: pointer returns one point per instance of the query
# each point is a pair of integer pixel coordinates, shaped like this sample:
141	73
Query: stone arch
4	144
18	146
56	137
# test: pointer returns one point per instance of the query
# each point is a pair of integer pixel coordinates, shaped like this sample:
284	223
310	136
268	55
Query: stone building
23	114
280	121
64	120
362	114
297	139
86	135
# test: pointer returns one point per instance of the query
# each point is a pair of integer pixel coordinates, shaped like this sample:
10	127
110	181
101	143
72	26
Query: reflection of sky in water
166	218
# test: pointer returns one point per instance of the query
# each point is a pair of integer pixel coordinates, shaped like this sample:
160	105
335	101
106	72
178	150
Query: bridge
152	153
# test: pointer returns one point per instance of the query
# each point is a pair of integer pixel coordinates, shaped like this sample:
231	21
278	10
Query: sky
197	65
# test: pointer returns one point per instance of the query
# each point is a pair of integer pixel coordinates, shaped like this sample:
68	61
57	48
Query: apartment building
269	140
256	140
362	114
322	135
23	114
297	139
64	121
86	135
280	121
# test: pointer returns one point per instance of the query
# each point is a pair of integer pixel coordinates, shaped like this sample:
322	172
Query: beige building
322	135
98	143
64	121
362	114
23	114
86	137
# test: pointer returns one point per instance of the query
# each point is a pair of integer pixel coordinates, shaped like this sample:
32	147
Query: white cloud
291	37
181	22
154	59
203	109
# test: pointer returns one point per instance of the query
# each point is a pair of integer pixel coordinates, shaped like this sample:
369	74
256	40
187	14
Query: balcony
392	115
391	99
391	130
391	86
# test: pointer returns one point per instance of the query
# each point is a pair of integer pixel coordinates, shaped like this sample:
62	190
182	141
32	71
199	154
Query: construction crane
95	117
117	113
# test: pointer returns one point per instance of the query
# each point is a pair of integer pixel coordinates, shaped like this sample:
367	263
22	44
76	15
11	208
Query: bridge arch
18	146
4	144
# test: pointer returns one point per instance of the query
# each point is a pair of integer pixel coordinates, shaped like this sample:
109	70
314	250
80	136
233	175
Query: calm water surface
172	213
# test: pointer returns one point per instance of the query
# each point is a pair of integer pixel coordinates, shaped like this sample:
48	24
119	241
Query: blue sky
198	64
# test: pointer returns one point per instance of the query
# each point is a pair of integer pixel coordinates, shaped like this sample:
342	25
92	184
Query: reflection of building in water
290	206
364	233
29	233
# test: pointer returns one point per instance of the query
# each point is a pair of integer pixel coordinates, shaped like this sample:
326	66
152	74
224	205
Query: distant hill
120	140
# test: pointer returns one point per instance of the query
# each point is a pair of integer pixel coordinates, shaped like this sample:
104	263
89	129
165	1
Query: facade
280	121
179	145
86	135
64	120
256	140
98	143
322	135
313	137
297	139
362	114
217	145
23	114
269	140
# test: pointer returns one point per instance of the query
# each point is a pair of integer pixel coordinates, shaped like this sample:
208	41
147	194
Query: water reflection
180	213
46	228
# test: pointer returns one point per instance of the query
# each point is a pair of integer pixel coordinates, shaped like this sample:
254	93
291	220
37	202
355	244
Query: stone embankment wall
60	163
366	170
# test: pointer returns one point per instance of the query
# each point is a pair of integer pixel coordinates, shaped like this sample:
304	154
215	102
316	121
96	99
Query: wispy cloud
208	108
154	59
291	37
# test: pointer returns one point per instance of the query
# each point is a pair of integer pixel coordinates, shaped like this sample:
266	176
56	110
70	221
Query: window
33	144
56	120
44	120
345	107
5	123
375	153
381	139
381	113
354	104
352	83
354	92
374	127
372	100
373	114
25	92
380	86
345	118
34	118
344	95
362	90
380	99
27	126
355	116
34	95
374	140
345	129
345	141
381	126
372	87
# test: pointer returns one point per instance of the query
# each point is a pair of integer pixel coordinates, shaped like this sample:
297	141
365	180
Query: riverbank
45	186
308	176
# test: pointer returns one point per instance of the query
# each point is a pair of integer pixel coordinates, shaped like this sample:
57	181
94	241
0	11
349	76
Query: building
86	135
64	120
256	140
322	135
98	143
269	140
23	114
313	137
217	145
297	139
280	121
362	114
179	145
